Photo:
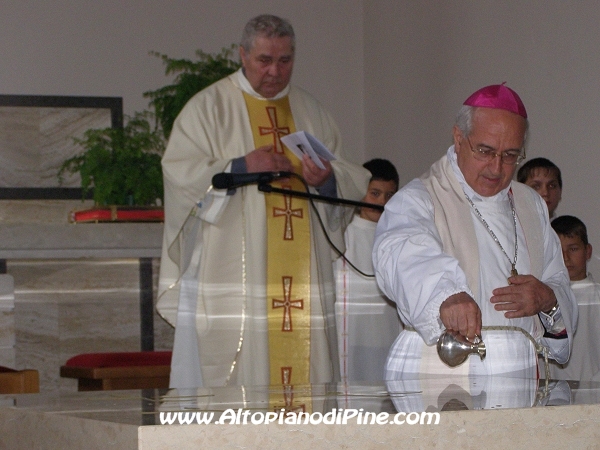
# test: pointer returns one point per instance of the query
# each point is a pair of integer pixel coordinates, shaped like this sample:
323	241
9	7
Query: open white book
301	143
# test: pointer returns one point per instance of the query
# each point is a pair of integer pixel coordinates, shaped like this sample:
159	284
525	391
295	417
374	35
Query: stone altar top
40	230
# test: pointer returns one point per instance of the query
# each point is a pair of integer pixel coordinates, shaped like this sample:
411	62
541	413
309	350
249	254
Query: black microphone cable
322	225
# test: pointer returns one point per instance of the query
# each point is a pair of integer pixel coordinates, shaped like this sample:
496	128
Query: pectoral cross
513	272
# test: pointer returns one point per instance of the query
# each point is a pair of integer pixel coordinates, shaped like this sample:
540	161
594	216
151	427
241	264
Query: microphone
231	180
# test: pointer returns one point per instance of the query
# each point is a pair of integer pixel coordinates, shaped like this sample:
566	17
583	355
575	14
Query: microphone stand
265	187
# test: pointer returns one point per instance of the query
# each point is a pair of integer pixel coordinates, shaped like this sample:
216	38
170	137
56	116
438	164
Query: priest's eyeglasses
510	157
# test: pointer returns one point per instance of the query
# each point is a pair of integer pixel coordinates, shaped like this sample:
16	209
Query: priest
246	278
465	249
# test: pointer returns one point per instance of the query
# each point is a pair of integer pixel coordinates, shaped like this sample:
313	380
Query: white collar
245	86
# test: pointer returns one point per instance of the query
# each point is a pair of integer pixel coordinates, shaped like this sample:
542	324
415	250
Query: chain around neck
513	263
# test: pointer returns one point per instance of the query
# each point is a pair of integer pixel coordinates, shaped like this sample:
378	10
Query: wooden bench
121	370
19	381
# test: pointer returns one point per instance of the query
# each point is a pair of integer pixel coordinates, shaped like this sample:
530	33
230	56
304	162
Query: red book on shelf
118	214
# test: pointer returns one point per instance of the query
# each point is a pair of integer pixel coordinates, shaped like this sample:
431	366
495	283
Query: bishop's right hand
462	314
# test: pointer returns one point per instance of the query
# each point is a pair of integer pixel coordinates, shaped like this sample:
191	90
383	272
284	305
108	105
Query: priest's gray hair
464	121
269	26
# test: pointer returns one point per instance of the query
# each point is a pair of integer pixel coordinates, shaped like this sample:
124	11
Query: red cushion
120	359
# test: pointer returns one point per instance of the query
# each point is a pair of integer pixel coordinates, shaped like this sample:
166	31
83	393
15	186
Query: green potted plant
122	165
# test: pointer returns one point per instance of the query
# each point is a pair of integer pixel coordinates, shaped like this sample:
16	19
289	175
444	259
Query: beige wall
392	72
66	47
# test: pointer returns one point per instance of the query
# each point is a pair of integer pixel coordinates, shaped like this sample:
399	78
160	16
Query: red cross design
288	212
288	393
274	129
287	304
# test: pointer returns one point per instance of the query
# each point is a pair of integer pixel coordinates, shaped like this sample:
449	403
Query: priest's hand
460	313
313	174
525	296
265	159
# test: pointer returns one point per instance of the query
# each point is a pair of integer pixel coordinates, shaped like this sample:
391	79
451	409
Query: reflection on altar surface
432	394
490	413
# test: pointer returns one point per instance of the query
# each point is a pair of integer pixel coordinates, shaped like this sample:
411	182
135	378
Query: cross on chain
274	130
288	393
287	304
288	212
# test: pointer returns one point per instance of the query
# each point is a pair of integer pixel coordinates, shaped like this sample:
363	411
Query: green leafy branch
121	164
190	78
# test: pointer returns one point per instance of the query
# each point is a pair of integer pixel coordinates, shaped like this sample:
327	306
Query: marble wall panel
7	306
7	321
33	277
7	329
35	141
111	323
7	357
67	307
107	324
7	291
37	340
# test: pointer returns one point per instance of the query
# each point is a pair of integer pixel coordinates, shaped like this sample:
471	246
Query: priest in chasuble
465	248
246	277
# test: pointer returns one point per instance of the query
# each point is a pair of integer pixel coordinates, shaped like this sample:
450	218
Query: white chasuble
231	304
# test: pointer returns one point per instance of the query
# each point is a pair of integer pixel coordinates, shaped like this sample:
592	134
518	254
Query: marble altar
132	419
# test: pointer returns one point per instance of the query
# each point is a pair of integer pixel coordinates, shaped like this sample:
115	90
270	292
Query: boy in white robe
367	321
584	364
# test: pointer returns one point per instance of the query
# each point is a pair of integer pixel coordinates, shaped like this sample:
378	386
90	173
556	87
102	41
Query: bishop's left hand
525	296
312	174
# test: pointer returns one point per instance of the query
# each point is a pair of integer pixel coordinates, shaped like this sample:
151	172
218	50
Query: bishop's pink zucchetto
497	96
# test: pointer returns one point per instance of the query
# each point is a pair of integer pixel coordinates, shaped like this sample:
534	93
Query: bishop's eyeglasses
510	157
